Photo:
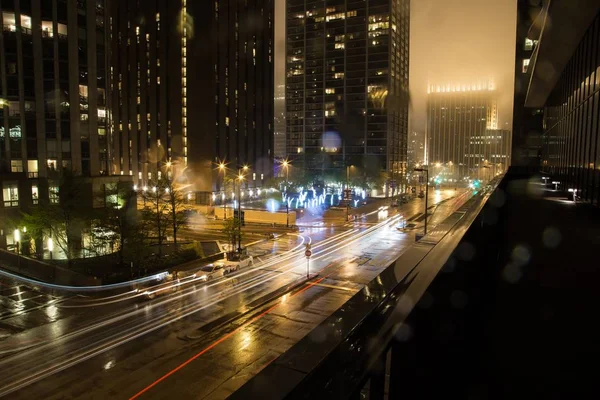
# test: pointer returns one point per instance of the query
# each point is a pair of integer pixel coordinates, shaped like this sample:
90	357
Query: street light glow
246	168
168	164
221	166
50	244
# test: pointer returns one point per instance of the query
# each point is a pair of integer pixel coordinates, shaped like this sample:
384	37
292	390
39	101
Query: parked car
421	194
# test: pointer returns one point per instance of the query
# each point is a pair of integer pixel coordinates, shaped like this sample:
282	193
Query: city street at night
96	339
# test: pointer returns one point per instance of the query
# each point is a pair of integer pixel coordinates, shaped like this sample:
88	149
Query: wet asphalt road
77	347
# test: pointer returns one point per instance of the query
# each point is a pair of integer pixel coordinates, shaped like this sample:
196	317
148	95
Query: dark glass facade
192	85
53	100
347	83
527	122
571	121
53	87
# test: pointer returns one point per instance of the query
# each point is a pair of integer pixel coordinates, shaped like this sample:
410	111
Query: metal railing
368	339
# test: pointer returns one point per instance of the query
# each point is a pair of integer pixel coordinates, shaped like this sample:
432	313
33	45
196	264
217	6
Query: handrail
356	336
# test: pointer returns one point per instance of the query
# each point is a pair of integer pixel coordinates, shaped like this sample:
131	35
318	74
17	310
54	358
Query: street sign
308	253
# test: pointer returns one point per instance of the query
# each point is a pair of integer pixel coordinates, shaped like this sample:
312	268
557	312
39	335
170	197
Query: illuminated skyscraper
462	131
53	101
193	85
347	84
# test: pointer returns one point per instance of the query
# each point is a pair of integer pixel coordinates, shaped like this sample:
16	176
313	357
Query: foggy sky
462	42
452	41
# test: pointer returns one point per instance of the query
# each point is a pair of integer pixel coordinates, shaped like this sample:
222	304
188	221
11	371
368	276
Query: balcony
498	301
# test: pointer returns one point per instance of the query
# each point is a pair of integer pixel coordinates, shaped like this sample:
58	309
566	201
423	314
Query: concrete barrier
44	272
266	217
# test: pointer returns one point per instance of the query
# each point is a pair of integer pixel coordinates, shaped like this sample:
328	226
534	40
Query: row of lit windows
9	23
184	76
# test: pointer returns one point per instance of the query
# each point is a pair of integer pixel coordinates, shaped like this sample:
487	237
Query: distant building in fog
462	131
415	153
346	90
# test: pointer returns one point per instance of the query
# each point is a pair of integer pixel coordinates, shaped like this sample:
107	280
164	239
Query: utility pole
426	170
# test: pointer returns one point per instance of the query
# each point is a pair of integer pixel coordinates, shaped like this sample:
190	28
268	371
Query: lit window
25	21
330	91
53	194
10	193
525	65
35	194
32	168
529	44
16	165
52	164
226	121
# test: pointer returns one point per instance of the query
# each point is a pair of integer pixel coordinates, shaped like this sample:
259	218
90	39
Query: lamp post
17	235
50	246
286	165
240	179
426	170
224	198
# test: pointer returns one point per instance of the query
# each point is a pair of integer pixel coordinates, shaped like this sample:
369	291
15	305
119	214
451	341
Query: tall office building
462	131
279	123
568	35
53	97
527	123
192	85
415	149
347	84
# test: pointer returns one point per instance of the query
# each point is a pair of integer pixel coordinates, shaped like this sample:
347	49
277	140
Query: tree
232	229
117	222
176	207
155	214
62	217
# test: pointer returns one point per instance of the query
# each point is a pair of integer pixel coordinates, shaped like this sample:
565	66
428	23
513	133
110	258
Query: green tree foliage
117	223
62	221
232	230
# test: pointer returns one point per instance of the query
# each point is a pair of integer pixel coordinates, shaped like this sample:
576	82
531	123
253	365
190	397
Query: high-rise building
568	35
415	149
462	131
192	86
527	123
279	123
347	84
53	100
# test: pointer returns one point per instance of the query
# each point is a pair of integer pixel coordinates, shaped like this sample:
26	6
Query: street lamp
17	235
224	170
286	165
240	179
50	246
426	170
